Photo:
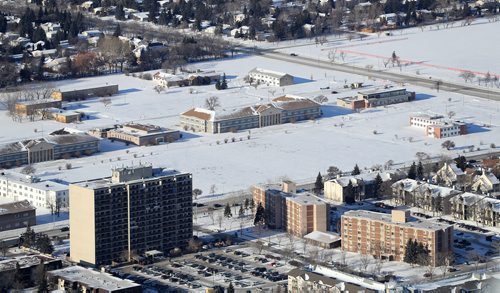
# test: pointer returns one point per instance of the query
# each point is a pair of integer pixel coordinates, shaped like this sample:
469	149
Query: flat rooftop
304	198
93	279
387	218
107	182
381	90
32	181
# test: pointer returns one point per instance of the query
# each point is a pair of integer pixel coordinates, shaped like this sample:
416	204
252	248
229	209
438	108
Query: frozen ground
440	53
300	150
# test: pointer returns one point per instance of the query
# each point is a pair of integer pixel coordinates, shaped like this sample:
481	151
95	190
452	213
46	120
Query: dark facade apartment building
136	210
16	215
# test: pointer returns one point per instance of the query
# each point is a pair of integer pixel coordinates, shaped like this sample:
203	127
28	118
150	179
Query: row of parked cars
146	283
171	276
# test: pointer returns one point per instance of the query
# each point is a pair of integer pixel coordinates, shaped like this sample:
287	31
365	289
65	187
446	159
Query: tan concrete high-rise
136	210
383	235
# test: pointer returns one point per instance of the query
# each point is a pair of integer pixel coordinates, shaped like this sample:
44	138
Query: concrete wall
82	223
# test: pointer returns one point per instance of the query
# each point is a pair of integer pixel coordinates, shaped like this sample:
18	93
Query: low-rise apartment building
429	197
39	193
362	186
137	209
376	98
79	279
186	79
478	208
16	215
383	235
297	213
143	134
285	109
25	266
327	280
269	77
437	127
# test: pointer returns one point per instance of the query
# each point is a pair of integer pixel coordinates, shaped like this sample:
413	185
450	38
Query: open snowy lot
430	51
299	150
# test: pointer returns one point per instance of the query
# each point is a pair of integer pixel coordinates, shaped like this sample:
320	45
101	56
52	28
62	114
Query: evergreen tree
3	23
377	185
119	12
247	203
43	244
252	204
356	170
230	289
39	35
420	170
40	69
241	212
259	215
318	185
118	31
461	162
349	193
217	85
412	173
223	84
163	18
410	252
227	211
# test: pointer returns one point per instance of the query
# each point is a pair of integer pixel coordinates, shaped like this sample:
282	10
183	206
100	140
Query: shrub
225	140
147	76
68	166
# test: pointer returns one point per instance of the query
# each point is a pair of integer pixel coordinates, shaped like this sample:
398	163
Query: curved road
487	93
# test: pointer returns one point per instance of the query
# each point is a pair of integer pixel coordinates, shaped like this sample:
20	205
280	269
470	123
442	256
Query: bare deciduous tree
212	103
321	99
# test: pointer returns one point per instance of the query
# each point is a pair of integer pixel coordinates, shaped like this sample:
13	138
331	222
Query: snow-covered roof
323	237
470	199
33	182
410	185
272	73
387	218
345	277
93	279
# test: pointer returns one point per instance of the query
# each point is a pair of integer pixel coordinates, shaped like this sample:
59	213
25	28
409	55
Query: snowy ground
300	150
432	51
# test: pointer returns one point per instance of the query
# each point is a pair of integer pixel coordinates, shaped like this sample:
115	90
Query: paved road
487	93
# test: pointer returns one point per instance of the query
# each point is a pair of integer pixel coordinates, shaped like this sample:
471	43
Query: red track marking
420	63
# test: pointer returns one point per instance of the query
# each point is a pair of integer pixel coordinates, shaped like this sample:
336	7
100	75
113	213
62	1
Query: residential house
486	183
450	176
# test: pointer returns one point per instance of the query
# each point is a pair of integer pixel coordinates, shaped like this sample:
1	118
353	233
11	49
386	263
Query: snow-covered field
300	150
440	53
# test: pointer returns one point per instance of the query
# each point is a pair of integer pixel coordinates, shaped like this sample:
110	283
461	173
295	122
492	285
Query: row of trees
37	241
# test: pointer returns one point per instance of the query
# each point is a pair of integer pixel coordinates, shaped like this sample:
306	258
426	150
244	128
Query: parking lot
195	272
